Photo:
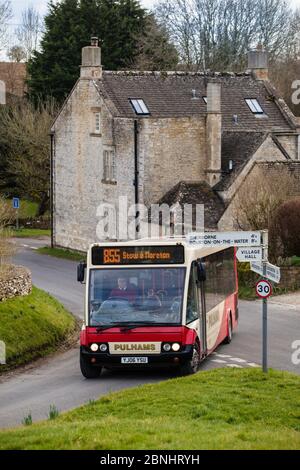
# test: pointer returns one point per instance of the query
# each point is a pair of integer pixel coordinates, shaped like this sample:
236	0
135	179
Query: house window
254	106
204	99
139	107
109	166
97	123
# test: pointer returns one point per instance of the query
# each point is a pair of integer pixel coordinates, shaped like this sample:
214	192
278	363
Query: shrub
285	229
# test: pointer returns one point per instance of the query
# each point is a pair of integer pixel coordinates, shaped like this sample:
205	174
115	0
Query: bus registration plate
134	360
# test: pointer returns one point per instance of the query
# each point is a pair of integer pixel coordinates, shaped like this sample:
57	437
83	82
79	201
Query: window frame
139	106
97	122
254	106
109	166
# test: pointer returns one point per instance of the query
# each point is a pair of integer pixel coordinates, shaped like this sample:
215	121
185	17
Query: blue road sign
16	203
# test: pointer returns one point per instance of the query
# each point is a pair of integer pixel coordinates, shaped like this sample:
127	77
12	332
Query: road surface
58	381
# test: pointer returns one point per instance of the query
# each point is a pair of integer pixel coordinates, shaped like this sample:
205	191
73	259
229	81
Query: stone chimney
258	63
213	132
91	68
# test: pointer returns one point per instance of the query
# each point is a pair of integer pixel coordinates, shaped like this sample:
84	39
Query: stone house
172	137
12	81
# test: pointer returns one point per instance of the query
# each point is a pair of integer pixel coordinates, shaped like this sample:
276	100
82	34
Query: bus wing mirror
201	271
81	271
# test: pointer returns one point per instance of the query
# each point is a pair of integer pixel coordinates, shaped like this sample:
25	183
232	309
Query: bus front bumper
162	359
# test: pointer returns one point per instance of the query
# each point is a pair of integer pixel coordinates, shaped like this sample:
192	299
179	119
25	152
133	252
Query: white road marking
33	247
219	361
223	355
252	364
238	359
234	365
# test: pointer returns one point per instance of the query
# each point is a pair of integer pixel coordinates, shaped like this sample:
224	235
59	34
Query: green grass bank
217	409
32	326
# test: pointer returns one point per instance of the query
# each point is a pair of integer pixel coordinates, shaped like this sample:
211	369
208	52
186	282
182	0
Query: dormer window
254	106
139	107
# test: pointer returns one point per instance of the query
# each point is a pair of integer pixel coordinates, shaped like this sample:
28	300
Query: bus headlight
175	347
94	347
103	347
167	347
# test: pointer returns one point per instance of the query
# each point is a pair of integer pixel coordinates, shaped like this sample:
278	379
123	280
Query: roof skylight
254	106
139	107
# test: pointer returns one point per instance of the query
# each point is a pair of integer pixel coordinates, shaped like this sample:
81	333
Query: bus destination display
126	255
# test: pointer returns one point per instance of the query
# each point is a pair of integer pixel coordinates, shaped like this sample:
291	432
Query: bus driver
123	291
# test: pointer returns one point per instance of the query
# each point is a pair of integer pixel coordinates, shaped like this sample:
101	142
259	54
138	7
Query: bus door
196	315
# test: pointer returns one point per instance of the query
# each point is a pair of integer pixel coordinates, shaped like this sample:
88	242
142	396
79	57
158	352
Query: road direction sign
214	239
272	272
249	254
263	289
16	203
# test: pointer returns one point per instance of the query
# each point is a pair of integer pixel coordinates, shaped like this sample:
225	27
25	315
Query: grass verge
62	253
31	233
32	326
218	409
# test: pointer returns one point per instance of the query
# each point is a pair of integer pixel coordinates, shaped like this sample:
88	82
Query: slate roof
238	147
187	192
169	94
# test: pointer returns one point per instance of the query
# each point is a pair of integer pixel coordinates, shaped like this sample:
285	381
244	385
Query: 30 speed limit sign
263	289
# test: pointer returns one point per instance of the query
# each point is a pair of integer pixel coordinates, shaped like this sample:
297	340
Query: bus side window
191	311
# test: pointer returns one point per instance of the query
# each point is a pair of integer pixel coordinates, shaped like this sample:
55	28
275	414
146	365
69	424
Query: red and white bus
152	303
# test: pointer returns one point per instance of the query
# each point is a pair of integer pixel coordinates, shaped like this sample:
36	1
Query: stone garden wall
14	281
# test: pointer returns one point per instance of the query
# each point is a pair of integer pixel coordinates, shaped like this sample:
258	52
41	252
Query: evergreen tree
69	26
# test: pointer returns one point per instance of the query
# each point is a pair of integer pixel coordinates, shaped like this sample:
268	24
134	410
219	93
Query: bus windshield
142	296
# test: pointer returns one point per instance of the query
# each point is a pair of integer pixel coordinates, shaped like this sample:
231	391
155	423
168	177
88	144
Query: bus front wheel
191	366
88	371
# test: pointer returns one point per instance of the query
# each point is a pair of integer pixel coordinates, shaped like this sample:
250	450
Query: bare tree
7	248
5	16
216	34
16	54
261	194
24	132
28	33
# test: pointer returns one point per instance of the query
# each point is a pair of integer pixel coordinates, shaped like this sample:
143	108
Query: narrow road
58	380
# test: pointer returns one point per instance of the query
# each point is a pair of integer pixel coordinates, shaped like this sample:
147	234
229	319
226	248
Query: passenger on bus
152	301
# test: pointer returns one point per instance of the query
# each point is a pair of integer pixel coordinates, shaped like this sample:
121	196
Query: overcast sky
41	6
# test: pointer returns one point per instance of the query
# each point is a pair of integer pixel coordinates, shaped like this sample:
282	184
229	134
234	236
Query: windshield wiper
125	326
107	327
137	324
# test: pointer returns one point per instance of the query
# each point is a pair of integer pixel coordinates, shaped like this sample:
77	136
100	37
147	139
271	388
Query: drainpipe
136	162
51	188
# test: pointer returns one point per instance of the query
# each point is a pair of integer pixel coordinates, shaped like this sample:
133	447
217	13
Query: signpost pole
265	237
17	220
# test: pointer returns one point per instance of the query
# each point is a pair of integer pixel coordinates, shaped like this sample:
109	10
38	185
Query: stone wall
171	150
15	281
290	277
